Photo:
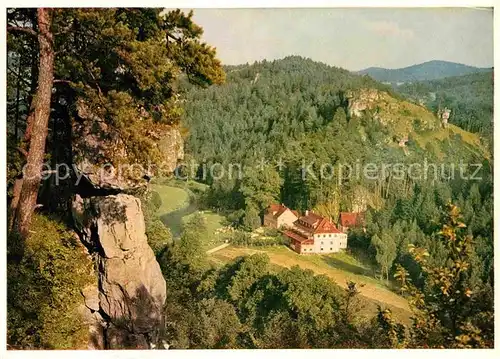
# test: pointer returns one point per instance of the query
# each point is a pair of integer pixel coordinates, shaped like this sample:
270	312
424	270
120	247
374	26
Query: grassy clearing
213	222
178	207
173	198
190	186
340	267
469	137
434	137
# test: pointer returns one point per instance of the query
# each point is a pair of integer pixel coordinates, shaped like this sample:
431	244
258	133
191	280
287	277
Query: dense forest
250	304
297	111
106	86
294	110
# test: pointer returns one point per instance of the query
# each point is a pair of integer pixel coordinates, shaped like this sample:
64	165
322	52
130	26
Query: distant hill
431	70
297	108
470	97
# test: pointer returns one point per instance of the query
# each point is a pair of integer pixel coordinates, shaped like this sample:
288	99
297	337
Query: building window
321	248
330	249
321	242
331	242
310	249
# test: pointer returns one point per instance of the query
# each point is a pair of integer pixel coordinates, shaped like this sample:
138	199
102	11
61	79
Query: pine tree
386	251
113	77
37	123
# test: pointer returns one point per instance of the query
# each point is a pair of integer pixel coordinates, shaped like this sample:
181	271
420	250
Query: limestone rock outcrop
131	290
361	100
399	117
125	309
96	143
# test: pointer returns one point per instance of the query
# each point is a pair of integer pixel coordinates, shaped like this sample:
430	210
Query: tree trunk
16	192
18	100
39	124
18	182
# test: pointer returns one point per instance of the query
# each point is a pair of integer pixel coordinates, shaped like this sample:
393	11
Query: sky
352	38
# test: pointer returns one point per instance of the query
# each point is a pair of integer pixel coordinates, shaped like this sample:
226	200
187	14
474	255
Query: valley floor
178	205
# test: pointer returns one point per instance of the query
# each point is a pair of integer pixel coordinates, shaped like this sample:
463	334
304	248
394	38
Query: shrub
158	235
44	285
417	124
242	238
271	232
156	200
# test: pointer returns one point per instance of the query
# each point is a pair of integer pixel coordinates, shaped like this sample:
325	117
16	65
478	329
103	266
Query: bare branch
26	82
22	151
26	30
59	81
168	35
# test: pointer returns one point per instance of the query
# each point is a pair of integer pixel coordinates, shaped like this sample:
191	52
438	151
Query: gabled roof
278	209
325	226
273	208
318	224
282	210
349	219
311	218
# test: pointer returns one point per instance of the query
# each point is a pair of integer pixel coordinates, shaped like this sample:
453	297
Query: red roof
325	226
349	219
311	218
273	208
318	224
278	209
297	236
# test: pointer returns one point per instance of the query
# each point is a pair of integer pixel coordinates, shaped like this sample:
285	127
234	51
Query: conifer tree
112	75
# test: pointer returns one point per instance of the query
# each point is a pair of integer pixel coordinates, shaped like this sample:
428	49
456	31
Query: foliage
448	311
131	74
295	111
294	119
158	235
251	219
116	73
268	307
242	238
156	200
414	220
187	254
291	308
44	288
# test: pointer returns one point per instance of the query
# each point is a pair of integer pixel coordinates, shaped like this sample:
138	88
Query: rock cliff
125	310
400	117
131	290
